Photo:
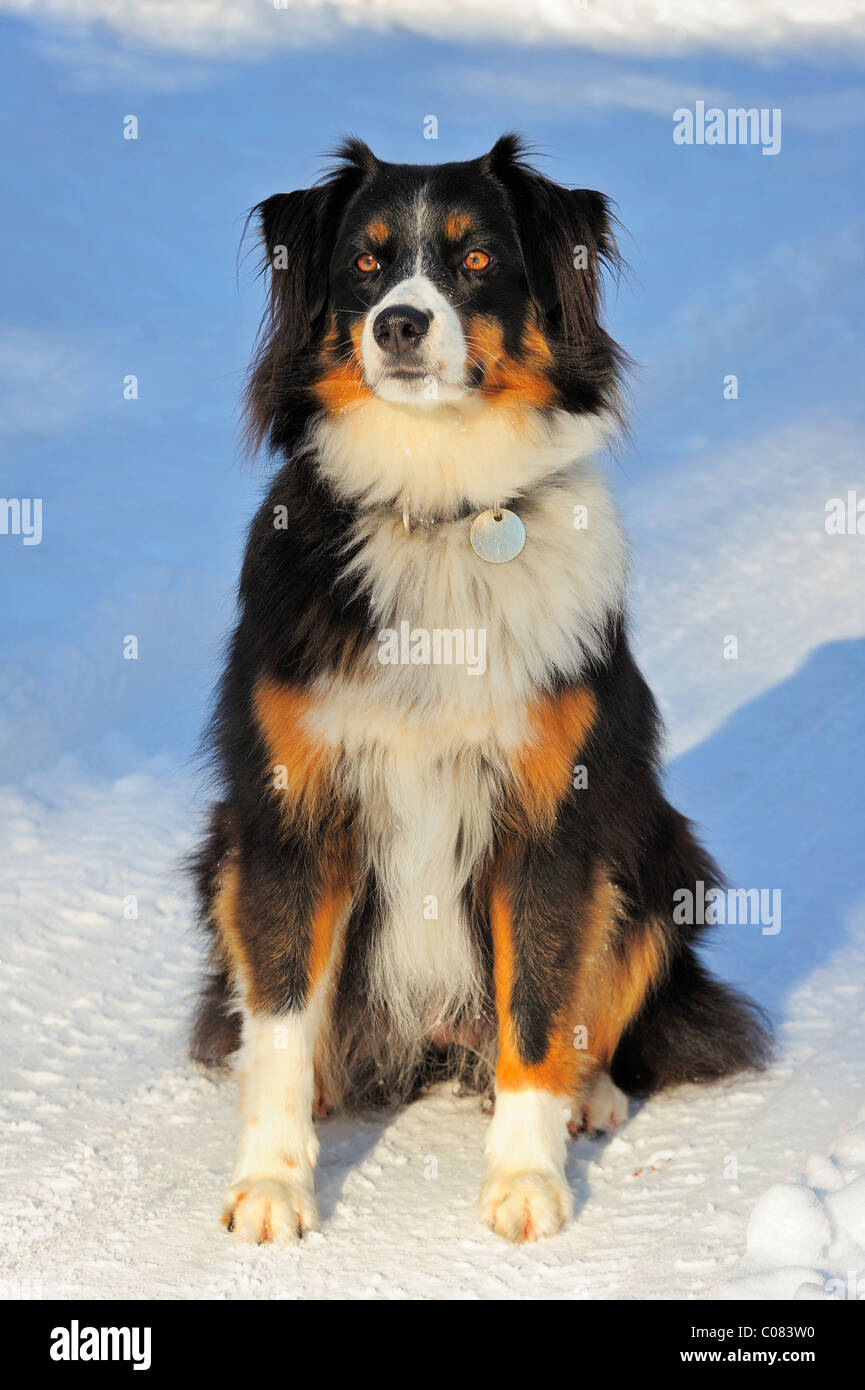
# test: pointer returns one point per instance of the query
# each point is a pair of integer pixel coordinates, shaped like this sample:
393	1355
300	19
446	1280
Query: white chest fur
424	738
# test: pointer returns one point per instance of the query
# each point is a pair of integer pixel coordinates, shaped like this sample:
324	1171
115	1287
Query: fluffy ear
566	237
298	232
293	258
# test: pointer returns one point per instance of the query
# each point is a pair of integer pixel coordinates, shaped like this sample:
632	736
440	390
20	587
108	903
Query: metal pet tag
497	535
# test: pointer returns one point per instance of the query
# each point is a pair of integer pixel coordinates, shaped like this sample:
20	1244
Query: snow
788	1226
116	1150
806	1240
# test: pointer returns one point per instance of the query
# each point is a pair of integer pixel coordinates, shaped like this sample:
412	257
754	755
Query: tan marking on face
378	232
329	340
342	384
521	383
457	226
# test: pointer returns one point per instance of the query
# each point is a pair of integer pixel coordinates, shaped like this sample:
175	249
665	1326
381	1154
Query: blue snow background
122	257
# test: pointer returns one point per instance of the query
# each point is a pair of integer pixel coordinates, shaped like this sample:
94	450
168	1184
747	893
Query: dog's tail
693	1029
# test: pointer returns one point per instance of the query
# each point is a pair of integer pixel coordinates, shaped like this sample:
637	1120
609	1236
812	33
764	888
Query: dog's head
465	285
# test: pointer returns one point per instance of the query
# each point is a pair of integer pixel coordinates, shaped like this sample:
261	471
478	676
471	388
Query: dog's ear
566	236
290	224
298	232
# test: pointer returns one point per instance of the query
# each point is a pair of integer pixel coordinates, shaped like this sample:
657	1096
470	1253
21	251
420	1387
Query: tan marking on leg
226	916
611	981
300	761
330	911
544	766
556	1073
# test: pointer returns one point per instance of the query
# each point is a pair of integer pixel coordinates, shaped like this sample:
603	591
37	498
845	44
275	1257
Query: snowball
848	1209
788	1226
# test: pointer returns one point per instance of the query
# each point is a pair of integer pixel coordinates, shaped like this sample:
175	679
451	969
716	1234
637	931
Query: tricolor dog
418	869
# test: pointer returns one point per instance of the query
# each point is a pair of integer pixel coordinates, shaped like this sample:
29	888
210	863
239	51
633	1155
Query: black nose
399	328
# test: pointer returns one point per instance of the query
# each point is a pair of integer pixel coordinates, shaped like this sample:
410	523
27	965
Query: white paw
525	1206
603	1108
264	1210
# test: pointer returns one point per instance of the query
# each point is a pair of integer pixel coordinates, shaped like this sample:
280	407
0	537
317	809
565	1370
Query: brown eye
367	263
476	260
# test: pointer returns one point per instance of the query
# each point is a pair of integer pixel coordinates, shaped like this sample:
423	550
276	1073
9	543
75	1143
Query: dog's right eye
367	263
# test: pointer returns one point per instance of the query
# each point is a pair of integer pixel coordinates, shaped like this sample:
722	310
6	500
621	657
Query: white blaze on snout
440	356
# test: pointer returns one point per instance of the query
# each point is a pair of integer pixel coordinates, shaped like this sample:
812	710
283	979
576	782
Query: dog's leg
281	925
272	1196
525	1194
569	975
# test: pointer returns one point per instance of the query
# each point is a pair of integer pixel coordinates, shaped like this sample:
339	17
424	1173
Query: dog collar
497	534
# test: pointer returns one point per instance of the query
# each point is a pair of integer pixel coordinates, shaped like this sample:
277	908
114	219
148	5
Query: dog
424	864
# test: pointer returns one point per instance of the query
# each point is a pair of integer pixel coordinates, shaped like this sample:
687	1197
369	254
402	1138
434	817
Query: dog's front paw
603	1108
525	1206
273	1210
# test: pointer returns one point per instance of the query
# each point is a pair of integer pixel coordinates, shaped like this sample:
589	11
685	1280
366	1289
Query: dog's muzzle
399	330
413	347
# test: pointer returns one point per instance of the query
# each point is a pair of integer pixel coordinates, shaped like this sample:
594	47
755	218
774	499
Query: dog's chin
417	388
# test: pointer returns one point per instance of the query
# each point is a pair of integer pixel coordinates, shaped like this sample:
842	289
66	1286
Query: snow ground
117	1149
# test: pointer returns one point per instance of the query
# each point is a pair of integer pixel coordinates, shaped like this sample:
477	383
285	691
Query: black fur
310	239
299	619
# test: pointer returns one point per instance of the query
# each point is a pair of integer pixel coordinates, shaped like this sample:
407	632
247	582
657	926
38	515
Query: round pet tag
497	535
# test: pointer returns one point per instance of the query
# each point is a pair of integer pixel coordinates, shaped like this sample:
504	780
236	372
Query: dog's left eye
476	260
367	263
